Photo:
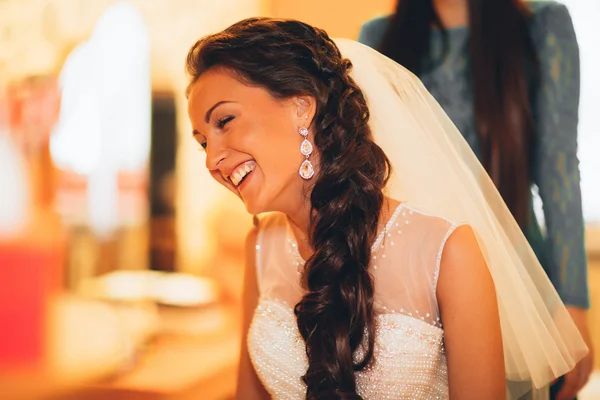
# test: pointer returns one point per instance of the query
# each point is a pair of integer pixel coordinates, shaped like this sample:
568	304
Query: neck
452	13
300	222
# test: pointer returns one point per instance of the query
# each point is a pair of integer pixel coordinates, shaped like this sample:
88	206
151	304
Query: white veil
435	169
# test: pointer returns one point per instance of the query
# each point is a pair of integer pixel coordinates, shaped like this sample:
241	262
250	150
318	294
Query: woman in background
507	74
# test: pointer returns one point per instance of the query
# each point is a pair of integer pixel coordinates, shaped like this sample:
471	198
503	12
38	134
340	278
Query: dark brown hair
503	63
290	58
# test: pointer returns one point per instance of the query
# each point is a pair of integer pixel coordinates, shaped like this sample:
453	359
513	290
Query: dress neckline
293	244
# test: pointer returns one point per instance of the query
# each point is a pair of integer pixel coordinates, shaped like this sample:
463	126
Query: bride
384	264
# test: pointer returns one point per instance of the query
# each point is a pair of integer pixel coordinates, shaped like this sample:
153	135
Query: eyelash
223	121
220	124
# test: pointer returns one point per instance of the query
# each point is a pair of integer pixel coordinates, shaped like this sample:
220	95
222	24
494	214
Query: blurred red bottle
29	279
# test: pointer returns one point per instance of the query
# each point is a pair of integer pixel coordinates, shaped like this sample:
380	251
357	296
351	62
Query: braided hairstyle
290	58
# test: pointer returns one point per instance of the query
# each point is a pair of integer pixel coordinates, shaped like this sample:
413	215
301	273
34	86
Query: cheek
274	142
282	158
281	146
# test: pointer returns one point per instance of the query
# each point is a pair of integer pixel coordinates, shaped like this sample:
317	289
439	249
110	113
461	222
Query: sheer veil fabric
435	169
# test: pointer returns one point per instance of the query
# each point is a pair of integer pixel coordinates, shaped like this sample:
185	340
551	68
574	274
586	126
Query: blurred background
120	260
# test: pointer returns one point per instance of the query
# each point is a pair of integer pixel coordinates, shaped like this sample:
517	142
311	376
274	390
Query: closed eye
223	121
200	138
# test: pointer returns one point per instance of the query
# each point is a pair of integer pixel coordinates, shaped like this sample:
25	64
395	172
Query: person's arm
555	166
249	386
556	171
469	312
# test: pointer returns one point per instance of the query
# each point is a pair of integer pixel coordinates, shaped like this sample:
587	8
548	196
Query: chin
255	208
259	205
265	198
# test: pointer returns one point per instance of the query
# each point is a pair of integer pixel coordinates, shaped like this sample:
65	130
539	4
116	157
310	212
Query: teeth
237	177
240	172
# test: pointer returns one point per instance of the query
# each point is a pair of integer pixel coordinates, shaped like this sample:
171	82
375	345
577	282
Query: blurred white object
166	288
76	141
122	43
179	289
120	286
15	196
104	127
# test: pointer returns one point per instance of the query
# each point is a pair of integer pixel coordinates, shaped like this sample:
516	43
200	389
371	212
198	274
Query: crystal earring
306	169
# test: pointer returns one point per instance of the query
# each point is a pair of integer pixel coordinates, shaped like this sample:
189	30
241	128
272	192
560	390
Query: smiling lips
240	172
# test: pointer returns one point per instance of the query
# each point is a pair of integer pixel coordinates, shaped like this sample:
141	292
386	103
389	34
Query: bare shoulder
469	312
462	264
461	245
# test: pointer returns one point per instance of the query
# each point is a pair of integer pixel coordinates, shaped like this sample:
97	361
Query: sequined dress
410	360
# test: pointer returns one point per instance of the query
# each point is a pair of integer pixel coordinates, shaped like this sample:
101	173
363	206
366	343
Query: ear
306	107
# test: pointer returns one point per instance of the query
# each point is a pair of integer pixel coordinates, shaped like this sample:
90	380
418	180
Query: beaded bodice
409	359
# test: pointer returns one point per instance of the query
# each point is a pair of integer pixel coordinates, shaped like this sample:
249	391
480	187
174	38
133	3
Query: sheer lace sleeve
406	263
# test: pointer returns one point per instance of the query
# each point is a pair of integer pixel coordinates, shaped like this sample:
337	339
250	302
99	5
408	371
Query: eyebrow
210	110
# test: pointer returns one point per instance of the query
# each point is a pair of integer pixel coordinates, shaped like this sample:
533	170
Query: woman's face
251	140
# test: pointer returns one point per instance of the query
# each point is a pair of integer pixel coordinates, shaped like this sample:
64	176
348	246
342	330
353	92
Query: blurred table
85	341
189	359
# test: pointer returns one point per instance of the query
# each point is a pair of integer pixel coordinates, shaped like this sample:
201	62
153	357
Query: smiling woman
280	96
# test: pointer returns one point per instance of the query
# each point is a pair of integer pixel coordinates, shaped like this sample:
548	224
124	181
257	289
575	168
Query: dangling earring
306	169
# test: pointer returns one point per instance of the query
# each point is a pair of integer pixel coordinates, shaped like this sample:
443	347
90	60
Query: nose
216	153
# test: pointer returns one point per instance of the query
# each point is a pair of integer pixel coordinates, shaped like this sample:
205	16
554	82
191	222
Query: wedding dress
410	361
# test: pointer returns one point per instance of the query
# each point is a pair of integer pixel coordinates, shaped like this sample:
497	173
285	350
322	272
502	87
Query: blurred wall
339	18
